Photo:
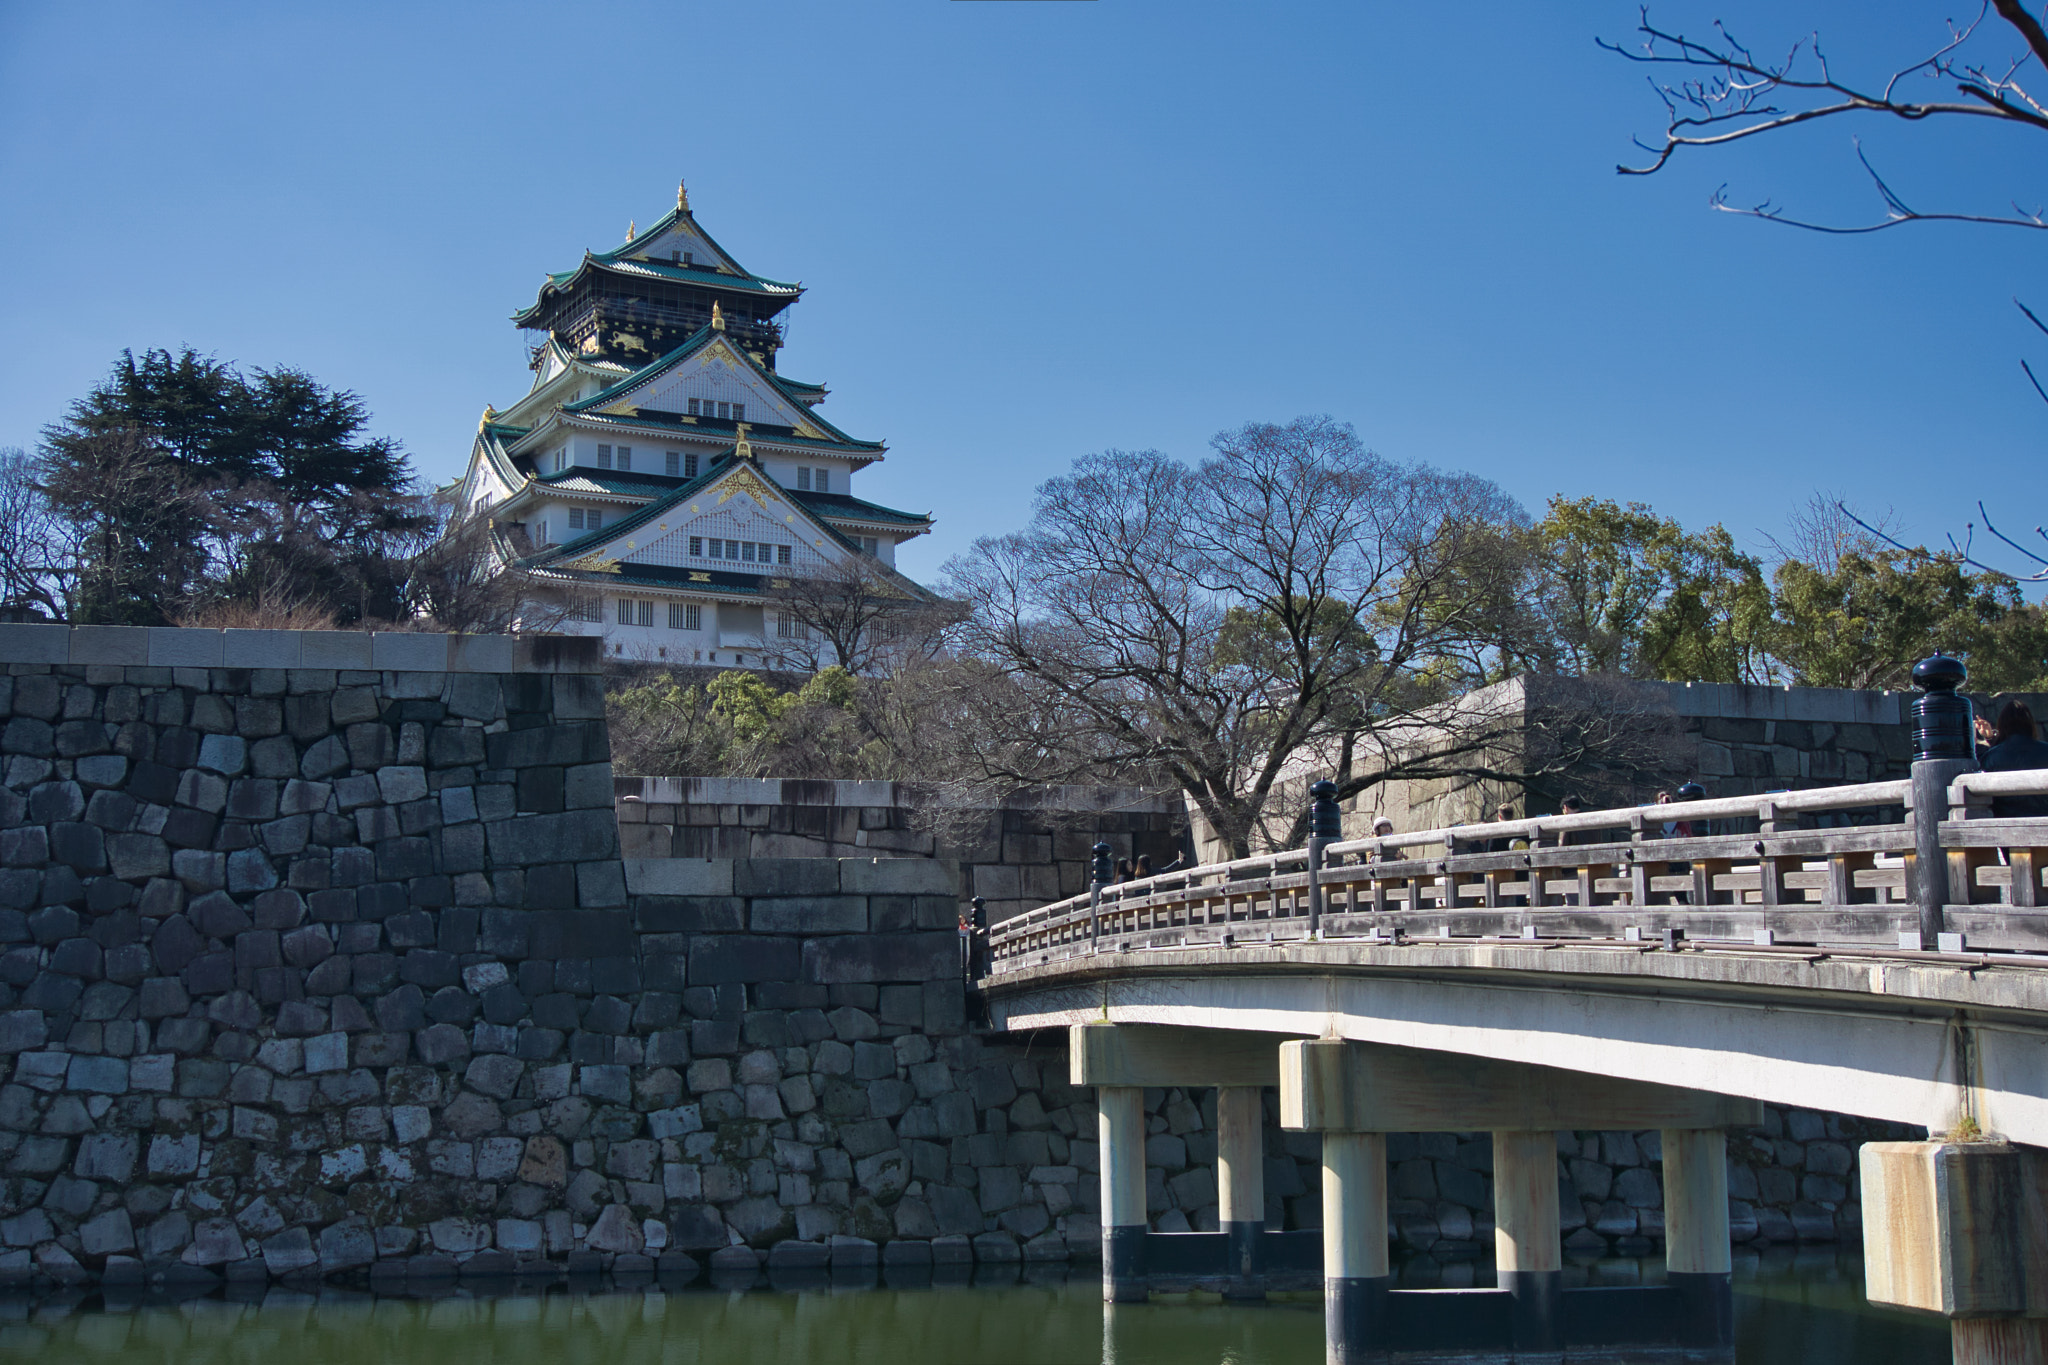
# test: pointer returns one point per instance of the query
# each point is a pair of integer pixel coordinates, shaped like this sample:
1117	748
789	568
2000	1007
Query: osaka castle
661	484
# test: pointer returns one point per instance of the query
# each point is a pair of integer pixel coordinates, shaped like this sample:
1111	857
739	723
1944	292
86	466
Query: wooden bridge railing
1827	866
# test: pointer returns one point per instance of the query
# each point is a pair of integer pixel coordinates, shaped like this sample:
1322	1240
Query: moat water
1790	1310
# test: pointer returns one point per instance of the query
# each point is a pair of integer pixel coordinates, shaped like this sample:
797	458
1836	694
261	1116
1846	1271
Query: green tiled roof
848	506
622	262
555	559
631	483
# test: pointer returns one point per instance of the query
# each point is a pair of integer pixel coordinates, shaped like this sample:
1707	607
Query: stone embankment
318	956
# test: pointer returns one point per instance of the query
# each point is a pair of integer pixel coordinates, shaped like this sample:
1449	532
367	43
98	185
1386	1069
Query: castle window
685	616
544	534
693	407
575	518
690	465
625	611
645	611
625	457
767	553
747	551
788	627
803	479
725	412
870	545
696	547
588	609
739	412
604	457
672	463
592	519
823	478
782	554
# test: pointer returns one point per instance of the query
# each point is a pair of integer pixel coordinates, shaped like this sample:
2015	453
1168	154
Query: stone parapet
1029	847
351	650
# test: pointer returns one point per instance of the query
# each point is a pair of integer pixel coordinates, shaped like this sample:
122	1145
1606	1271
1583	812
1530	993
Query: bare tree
856	614
461	579
38	557
1737	95
1290	600
136	522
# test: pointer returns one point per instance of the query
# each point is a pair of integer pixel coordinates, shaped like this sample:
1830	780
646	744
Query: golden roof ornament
741	448
717	317
682	197
632	229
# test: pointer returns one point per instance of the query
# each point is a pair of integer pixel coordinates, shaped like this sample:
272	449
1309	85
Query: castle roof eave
690	345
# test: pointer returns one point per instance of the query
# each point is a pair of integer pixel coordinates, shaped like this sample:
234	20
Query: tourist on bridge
2016	747
1501	815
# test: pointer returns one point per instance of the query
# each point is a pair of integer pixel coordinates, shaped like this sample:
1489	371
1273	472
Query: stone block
877	958
343	1245
260	649
568	837
786	877
173	647
291	1250
719	959
899	877
689	914
35	643
679	876
409	652
339	649
808	914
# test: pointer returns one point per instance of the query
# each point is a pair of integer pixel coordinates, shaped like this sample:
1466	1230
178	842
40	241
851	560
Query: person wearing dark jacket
2017	747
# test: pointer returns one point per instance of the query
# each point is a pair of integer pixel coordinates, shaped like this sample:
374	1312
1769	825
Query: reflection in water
1792	1309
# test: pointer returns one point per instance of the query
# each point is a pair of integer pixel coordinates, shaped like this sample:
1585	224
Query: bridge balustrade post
1528	1252
1121	1157
1697	1259
1098	878
1944	746
1325	827
1356	1273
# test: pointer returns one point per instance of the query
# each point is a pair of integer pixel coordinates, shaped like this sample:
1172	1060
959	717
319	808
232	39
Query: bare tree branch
1746	97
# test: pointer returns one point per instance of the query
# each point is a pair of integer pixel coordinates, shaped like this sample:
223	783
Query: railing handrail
1456	840
1847	797
2028	782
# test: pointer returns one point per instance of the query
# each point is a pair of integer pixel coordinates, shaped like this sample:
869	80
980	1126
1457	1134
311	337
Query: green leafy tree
1864	620
197	489
1625	591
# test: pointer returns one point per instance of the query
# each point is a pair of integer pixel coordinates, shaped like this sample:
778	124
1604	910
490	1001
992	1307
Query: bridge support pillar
1241	1186
1356	1274
1528	1253
1961	1229
1697	1259
1122	1159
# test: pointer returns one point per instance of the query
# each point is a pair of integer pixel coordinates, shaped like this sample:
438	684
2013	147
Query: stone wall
318	955
1031	848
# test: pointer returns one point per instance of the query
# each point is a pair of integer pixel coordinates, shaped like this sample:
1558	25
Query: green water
1808	1311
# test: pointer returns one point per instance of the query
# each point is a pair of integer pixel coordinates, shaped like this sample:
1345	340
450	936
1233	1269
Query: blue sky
1032	230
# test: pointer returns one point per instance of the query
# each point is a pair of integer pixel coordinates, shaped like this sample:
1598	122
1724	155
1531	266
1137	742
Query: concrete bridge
1875	949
